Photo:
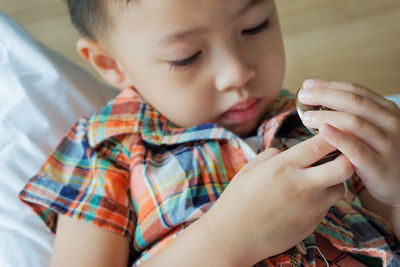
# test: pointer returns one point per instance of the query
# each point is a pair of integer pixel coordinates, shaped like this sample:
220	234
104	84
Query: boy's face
195	60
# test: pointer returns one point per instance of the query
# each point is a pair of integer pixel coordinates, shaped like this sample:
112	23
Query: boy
201	89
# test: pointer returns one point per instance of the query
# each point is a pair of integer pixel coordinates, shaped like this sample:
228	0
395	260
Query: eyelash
187	62
253	31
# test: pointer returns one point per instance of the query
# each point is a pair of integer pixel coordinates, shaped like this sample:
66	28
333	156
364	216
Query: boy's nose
234	73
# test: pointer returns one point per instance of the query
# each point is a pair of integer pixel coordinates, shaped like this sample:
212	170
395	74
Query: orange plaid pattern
127	169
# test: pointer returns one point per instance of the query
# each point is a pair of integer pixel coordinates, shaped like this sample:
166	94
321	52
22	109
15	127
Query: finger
333	195
308	152
359	154
267	154
330	197
263	156
351	103
350	87
351	124
322	215
331	173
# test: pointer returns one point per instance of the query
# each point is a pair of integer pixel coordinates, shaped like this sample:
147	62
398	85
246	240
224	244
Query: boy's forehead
177	19
185	9
219	6
180	34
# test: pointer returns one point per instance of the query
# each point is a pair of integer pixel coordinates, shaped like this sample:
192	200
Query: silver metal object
301	109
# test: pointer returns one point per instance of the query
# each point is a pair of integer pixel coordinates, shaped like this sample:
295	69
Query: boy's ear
103	62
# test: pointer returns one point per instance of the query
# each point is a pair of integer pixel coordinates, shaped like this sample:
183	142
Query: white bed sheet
41	96
394	98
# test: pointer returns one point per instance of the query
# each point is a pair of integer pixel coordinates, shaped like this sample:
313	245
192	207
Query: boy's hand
277	200
365	127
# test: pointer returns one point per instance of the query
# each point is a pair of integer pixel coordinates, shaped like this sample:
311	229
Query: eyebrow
184	34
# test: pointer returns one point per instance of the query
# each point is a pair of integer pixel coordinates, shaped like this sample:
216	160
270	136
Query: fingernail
308	83
303	94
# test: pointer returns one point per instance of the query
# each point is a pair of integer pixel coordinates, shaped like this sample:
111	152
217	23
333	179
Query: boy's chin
247	128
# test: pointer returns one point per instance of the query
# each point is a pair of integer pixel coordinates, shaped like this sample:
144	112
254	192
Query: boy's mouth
242	111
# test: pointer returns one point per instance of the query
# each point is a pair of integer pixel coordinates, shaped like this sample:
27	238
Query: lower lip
236	116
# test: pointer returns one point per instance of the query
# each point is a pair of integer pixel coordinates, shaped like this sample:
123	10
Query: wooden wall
356	40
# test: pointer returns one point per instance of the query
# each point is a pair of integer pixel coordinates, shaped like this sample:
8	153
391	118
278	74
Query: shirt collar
128	113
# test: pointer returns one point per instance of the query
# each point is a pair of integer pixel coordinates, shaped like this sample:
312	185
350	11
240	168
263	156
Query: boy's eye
185	62
253	31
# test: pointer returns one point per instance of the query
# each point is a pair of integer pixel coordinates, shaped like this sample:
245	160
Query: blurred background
356	40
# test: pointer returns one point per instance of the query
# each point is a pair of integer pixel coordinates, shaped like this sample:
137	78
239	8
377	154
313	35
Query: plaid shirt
127	169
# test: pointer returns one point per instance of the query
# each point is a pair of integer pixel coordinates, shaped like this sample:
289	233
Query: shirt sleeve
85	183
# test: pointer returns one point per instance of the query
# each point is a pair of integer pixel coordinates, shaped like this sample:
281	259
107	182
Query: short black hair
91	17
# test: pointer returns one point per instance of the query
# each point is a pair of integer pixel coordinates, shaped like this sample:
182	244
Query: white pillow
41	96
